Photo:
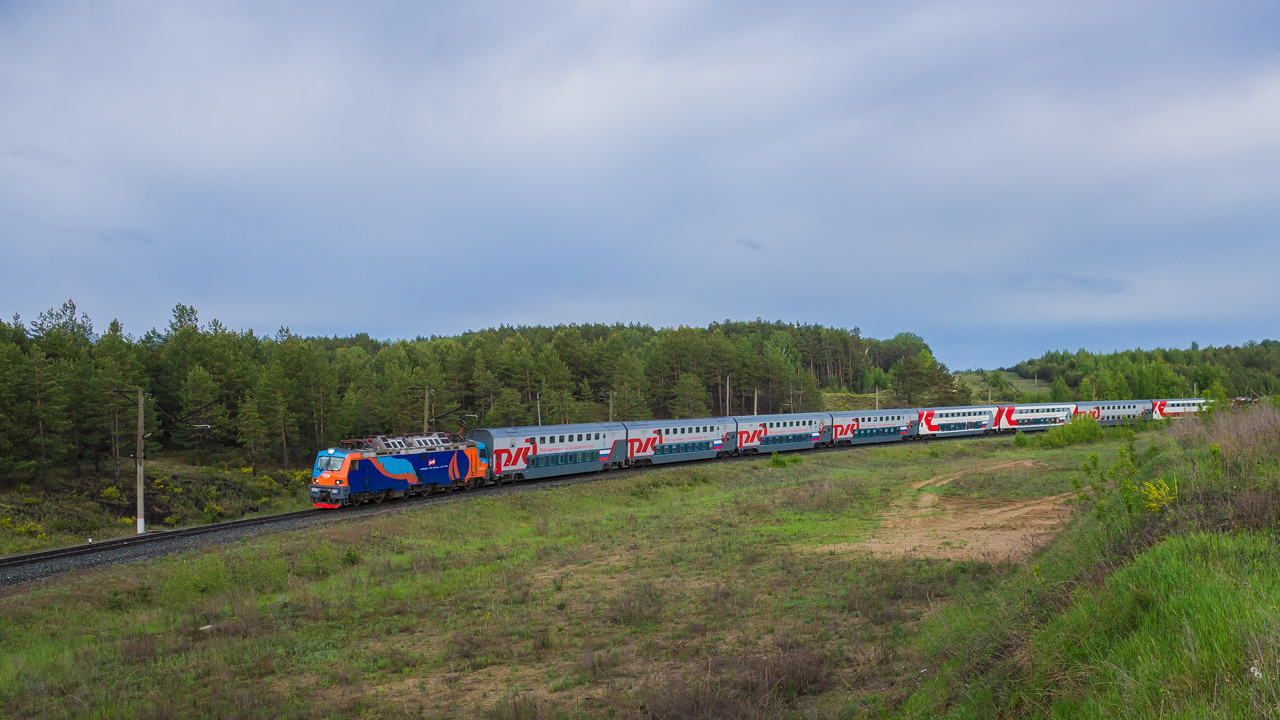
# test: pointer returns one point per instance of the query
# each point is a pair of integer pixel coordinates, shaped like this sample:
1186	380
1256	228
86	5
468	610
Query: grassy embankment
59	511
1019	384
727	590
1160	599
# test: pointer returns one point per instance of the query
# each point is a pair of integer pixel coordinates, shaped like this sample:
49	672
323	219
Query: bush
1020	440
1079	430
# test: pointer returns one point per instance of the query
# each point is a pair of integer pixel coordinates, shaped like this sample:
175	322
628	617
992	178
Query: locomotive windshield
328	462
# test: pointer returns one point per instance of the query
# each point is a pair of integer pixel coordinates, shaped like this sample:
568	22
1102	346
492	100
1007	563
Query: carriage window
561	438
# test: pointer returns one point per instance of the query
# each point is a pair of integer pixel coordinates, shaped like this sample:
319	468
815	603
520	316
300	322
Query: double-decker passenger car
655	442
1039	416
954	421
858	427
780	433
550	450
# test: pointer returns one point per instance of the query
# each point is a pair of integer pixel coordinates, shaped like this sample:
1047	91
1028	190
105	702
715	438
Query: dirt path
963	528
940	480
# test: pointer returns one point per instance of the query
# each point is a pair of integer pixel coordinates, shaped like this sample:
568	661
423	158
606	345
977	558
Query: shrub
1081	429
1020	439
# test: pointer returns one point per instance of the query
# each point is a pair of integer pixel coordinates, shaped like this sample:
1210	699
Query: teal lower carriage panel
784	447
873	439
686	456
962	433
575	468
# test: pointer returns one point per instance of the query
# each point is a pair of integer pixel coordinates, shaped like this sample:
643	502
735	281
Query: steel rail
153	537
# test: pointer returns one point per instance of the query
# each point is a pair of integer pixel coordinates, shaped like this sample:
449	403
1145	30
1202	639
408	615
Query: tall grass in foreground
1159	600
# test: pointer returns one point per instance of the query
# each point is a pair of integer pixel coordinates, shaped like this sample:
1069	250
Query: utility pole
539	408
755	404
727	396
142	518
611	394
877	397
988	394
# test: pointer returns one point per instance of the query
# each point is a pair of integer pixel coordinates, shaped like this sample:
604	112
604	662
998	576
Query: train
375	469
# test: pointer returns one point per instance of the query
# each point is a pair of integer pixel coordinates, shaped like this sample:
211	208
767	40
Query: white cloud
847	164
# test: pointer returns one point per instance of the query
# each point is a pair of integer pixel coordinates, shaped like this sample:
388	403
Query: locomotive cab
330	484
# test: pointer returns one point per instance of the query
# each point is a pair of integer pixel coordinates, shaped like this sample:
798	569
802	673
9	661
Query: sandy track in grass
965	529
940	480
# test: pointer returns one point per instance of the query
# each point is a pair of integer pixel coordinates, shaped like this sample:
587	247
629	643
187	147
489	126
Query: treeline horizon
1249	370
68	392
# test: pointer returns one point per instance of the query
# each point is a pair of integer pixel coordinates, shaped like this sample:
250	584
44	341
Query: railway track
155	537
141	547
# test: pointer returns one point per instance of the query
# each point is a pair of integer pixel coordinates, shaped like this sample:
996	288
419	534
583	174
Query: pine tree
17	408
1059	392
486	384
50	409
689	398
251	432
279	420
632	387
912	376
204	418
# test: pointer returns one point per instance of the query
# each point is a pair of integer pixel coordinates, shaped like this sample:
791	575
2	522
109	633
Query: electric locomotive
381	468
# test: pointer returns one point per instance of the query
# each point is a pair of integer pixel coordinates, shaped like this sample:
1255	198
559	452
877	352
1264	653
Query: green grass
1190	629
730	590
569	596
1051	476
1018	383
1132	611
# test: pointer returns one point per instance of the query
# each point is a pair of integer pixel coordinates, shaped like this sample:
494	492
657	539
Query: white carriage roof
532	430
681	421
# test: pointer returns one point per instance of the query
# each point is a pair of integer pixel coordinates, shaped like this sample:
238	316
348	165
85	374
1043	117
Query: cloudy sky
999	177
